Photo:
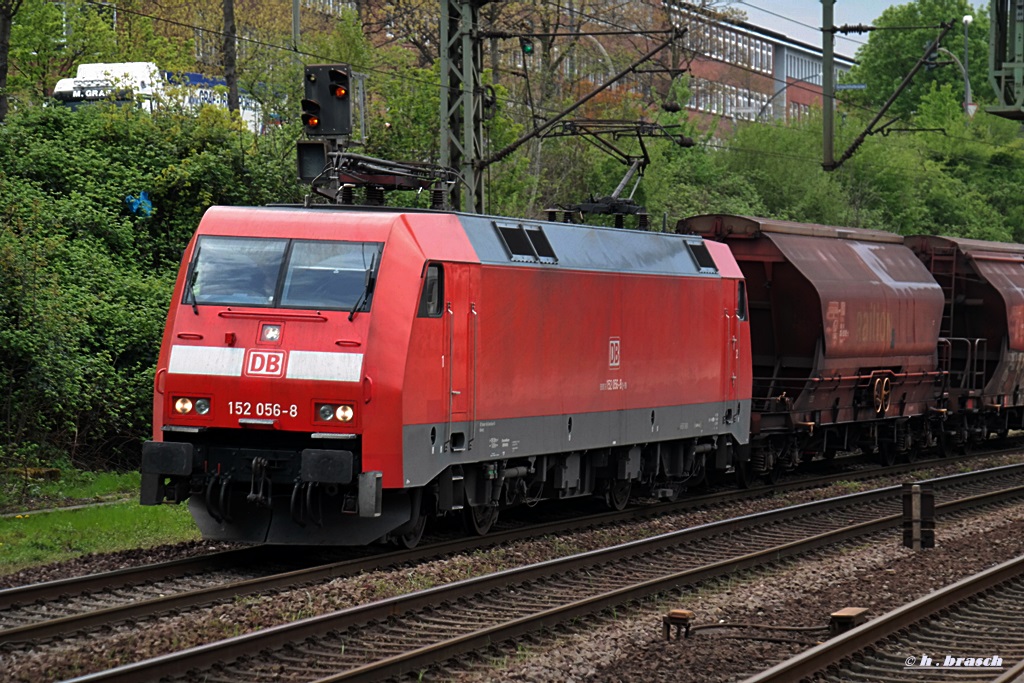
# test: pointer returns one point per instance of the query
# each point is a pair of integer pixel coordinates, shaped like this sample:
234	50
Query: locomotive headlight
202	406
184	406
271	333
329	412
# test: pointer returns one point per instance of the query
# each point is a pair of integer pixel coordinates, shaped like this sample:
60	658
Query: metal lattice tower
462	100
1006	58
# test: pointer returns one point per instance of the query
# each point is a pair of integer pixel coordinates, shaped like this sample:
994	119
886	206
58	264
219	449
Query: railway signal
327	105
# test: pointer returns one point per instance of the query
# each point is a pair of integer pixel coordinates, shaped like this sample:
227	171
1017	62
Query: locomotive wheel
411	539
617	494
479	519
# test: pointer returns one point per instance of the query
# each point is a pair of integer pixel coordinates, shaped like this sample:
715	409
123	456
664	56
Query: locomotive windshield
282	273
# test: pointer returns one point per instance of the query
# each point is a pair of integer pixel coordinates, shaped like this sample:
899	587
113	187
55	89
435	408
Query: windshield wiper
367	288
190	290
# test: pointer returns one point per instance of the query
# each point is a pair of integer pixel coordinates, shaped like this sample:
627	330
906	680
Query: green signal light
526	45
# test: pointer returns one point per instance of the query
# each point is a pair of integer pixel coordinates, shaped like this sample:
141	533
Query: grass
36	535
18	493
32	539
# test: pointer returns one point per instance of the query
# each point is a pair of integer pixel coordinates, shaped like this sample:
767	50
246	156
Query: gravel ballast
881	577
629	648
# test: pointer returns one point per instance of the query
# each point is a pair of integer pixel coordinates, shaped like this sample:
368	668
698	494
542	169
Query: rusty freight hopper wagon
982	331
844	330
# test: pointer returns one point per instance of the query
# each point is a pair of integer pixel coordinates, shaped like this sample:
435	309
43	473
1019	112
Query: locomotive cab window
741	300
282	273
433	292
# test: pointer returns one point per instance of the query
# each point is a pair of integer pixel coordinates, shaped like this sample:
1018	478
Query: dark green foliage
85	281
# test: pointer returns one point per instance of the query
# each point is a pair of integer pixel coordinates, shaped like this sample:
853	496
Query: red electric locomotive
338	375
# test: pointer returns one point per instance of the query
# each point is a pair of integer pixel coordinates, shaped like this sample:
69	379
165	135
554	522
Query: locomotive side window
433	292
241	271
741	300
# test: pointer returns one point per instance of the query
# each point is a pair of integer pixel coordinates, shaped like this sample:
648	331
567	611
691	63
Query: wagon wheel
886	453
964	442
882	395
478	519
961	438
617	494
943	444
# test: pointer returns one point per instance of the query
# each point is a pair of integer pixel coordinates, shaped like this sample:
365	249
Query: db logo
614	352
264	363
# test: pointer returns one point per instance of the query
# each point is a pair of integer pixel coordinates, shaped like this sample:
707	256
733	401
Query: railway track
416	631
969	631
53	610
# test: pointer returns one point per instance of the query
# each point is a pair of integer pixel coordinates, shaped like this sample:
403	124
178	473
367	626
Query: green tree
8	10
890	54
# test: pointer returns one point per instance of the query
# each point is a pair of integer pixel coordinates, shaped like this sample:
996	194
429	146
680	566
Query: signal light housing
327	106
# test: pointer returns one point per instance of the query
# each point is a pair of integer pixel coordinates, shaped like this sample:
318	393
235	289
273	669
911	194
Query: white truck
145	85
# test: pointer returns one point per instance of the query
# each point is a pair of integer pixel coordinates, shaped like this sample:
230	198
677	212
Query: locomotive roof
720	226
582	247
526	242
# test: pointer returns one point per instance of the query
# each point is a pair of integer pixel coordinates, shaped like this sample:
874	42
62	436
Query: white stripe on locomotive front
331	367
227	362
206	360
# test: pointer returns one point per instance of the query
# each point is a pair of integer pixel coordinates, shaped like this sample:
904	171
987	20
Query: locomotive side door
460	357
734	316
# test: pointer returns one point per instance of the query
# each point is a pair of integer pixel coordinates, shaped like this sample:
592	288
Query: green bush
85	280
